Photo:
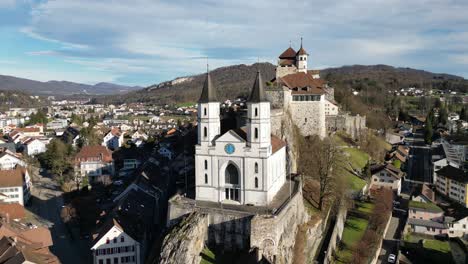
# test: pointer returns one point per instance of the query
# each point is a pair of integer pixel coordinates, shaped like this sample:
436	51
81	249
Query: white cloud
144	36
43	74
7	3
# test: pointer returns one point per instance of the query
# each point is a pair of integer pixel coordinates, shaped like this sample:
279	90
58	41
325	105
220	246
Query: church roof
258	91
209	92
276	143
288	54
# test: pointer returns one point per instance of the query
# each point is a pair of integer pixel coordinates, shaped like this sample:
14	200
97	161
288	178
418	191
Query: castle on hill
308	99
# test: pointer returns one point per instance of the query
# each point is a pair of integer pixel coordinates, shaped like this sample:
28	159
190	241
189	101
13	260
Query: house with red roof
95	162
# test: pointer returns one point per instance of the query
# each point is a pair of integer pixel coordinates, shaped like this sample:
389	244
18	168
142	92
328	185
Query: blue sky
142	42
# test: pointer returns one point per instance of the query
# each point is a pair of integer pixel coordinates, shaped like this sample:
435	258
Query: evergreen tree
428	132
443	115
463	115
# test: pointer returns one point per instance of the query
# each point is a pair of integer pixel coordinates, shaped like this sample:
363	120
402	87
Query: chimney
15	240
8	218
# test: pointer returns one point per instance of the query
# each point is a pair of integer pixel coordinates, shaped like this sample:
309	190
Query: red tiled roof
276	143
13	210
288	53
302	51
302	80
13	177
115	131
94	153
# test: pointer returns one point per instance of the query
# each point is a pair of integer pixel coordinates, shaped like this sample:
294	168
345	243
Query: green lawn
364	207
208	257
441	246
355	182
352	233
432	251
426	206
357	157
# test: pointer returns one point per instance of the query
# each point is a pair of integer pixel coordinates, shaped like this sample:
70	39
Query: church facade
244	166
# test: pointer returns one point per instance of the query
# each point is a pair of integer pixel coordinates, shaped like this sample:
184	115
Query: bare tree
322	160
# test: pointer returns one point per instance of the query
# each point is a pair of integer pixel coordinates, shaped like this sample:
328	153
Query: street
392	238
47	202
419	164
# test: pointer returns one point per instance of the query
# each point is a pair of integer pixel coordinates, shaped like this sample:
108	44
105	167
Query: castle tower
301	59
258	116
208	114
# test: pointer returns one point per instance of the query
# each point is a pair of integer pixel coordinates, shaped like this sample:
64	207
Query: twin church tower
244	166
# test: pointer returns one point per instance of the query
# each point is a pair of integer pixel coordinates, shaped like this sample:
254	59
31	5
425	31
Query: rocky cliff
185	241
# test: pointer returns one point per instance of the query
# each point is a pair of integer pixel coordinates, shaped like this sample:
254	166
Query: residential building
9	160
426	218
458	228
34	146
166	152
15	184
113	245
113	139
96	162
456	151
386	176
57	124
437	165
453	183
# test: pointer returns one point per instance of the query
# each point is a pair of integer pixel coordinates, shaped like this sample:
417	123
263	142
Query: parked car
391	258
118	183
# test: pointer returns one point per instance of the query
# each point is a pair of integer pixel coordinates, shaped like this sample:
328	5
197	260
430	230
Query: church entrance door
231	179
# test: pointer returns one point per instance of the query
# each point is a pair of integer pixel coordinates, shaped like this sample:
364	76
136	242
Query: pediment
230	136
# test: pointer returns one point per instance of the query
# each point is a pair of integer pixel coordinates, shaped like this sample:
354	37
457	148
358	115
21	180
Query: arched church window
204	111
231	175
206	164
256	133
256	111
206	178
256	167
256	182
205	132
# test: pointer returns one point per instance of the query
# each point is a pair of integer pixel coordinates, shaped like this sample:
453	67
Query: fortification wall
309	117
274	236
351	124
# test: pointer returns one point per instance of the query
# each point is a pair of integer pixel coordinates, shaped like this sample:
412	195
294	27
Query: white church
245	166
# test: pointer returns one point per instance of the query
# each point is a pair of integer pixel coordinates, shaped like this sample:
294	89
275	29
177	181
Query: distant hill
384	77
61	87
237	80
19	99
231	81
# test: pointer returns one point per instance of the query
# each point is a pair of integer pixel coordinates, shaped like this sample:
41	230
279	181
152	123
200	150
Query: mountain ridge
54	87
236	80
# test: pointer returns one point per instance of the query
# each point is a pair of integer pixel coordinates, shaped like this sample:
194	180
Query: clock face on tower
229	148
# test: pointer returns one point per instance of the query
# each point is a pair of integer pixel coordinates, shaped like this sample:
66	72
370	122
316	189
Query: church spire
301	51
209	92
258	92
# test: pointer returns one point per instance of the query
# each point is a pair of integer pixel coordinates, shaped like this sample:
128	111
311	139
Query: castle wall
285	70
309	117
274	236
352	125
276	97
